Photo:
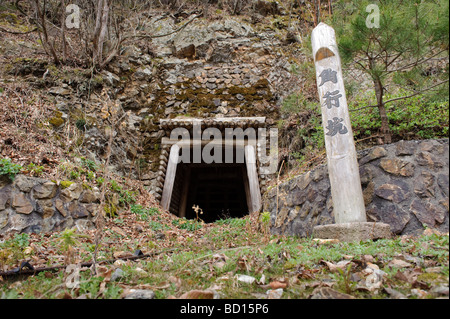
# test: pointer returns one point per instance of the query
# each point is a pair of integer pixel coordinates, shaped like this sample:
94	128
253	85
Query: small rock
275	294
143	74
392	192
72	192
117	274
4	198
21	204
139	294
375	153
395	294
440	291
141	272
245	279
397	167
419	293
111	78
46	190
404	148
428	159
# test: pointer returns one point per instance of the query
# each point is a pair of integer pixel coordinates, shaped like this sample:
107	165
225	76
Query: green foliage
89	164
74	174
81	124
11	250
9	169
309	138
144	213
34	169
126	197
234	222
65	184
68	239
156	226
188	224
419	117
100	181
265	218
396	55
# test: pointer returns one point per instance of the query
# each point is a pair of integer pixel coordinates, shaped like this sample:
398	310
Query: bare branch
15	32
416	93
402	97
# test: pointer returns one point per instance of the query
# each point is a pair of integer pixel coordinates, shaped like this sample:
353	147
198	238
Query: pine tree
395	51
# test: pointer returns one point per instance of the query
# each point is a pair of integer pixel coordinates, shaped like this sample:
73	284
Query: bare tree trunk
101	30
45	43
316	12
385	130
63	29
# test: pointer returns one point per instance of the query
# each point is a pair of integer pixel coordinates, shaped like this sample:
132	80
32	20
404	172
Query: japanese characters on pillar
343	166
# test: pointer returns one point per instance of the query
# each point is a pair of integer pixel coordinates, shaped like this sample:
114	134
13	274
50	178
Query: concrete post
343	169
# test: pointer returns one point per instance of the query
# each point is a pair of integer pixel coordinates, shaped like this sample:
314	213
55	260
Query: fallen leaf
119	231
374	282
401	276
435	270
104	272
326	241
334	267
198	294
242	263
278	284
122	254
398	263
328	293
394	293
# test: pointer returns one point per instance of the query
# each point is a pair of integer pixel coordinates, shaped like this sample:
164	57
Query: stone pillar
348	202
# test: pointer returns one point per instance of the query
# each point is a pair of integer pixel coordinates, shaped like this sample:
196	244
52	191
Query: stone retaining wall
35	205
405	185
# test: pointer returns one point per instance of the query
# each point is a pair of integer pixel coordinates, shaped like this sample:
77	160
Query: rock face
34	205
405	185
224	67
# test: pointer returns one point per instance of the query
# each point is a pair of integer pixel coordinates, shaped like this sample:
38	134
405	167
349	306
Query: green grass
213	255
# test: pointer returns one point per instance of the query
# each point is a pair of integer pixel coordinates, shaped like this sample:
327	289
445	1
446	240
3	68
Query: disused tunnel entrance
219	190
214	166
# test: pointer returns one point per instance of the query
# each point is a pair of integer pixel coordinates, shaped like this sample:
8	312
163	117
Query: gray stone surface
35	205
405	185
351	232
139	294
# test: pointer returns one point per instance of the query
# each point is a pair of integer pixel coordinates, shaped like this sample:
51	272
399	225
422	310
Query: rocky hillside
214	65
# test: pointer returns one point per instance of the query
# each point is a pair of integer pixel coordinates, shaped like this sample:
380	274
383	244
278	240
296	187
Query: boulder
72	192
22	204
397	167
45	190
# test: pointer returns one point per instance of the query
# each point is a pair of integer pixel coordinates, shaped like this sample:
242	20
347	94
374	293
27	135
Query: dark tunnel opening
220	190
